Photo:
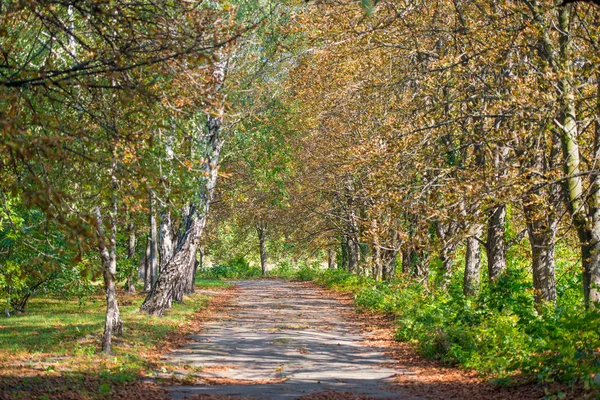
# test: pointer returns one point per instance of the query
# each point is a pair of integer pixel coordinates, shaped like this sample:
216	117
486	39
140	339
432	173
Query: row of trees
372	133
112	128
409	129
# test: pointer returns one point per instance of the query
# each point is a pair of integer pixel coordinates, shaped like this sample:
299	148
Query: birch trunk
180	267
147	270
132	278
108	255
331	259
153	260
496	244
166	238
472	276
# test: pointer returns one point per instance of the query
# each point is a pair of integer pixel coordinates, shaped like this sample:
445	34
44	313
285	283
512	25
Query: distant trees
425	128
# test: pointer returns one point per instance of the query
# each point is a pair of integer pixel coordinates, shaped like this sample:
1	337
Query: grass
67	328
211	283
57	343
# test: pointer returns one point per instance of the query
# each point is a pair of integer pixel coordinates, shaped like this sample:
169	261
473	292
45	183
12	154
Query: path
283	340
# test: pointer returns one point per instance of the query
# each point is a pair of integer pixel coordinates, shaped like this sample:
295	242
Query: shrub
237	268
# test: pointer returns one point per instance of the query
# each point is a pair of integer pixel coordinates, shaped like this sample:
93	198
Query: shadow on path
283	341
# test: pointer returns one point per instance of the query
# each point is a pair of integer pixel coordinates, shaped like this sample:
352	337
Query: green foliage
284	270
36	256
237	268
72	282
303	272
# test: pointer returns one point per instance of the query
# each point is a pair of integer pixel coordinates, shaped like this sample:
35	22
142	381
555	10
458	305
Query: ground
283	340
261	339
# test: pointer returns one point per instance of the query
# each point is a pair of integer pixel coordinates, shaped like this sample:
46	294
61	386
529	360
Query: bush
304	272
284	270
237	268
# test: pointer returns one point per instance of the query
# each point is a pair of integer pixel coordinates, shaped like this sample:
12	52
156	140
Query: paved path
288	342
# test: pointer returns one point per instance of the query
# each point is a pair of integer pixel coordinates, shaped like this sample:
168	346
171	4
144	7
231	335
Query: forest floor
258	339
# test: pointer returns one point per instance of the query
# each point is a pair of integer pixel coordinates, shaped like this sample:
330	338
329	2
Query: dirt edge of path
214	309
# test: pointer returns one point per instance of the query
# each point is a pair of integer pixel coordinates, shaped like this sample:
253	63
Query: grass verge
52	351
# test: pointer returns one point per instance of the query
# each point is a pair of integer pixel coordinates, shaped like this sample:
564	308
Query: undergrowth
237	268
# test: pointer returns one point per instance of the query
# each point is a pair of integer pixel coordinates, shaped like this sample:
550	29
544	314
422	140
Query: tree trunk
389	264
261	230
446	232
153	260
166	238
198	264
344	253
187	283
586	214
472	263
147	269
331	258
542	239
420	265
352	229
377	268
113	323
183	286
179	268
132	278
353	254
592	268
406	254
496	243
541	208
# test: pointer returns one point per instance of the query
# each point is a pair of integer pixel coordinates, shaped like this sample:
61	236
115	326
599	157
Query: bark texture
108	255
389	264
331	258
584	207
153	260
540	207
171	284
147	270
496	243
261	231
472	276
447	233
166	238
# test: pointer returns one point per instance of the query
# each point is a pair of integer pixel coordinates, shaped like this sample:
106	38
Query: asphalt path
284	340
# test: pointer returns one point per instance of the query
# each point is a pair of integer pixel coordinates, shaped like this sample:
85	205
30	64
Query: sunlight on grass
66	328
54	348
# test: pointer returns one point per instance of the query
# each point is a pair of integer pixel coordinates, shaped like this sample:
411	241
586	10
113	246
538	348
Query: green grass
69	333
62	327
